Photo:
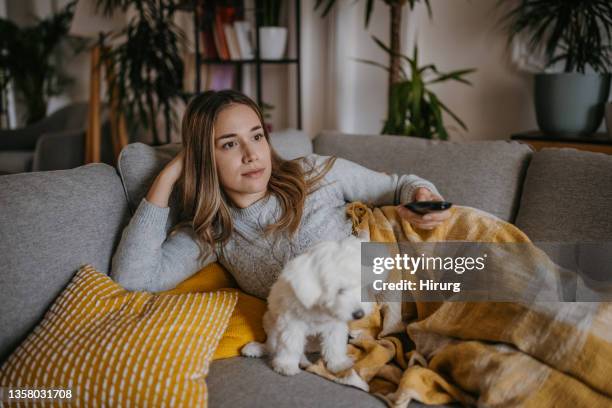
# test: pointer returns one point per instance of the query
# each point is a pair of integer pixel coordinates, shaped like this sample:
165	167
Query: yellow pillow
245	324
119	348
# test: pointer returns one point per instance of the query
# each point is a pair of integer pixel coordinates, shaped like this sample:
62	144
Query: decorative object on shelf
27	56
272	36
149	84
578	34
211	69
412	109
244	35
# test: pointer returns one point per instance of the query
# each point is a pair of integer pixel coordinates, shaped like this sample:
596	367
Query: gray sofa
56	142
53	222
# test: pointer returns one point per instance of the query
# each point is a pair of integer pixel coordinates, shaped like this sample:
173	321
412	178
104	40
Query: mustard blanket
486	353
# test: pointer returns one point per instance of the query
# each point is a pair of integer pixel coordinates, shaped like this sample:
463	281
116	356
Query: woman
244	206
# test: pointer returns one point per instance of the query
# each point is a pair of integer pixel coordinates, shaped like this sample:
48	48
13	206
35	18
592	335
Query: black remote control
425	207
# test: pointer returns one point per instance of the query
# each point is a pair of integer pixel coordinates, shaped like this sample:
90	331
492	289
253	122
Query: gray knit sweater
147	259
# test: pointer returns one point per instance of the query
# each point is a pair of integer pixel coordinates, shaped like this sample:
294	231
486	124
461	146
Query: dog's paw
285	368
252	349
336	366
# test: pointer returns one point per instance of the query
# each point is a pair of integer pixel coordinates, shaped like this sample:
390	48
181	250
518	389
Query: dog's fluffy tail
254	349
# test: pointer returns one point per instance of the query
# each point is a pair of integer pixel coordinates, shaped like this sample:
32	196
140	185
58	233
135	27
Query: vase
570	104
272	42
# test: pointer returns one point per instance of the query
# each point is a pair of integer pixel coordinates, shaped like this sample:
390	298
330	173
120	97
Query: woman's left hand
426	221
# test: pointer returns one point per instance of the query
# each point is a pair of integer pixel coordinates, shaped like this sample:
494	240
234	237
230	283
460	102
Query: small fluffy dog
317	293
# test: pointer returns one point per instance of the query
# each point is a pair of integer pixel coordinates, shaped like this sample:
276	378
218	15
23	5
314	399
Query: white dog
317	293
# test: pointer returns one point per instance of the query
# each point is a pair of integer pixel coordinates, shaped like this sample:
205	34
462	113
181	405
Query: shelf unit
257	61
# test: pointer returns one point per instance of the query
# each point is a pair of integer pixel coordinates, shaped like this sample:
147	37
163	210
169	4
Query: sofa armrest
66	150
59	150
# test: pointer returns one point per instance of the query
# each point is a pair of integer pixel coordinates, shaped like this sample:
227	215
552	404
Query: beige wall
340	93
462	34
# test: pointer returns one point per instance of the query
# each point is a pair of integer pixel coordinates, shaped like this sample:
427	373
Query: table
598	142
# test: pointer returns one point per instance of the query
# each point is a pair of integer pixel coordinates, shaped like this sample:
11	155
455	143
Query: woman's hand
160	190
174	168
426	221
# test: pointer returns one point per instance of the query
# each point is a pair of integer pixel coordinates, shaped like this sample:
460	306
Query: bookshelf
257	62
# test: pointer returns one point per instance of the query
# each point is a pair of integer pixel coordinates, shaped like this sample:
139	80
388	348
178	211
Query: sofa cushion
51	223
291	143
15	161
260	386
139	164
122	345
567	196
485	174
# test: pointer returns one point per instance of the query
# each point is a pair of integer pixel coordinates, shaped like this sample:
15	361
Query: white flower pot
272	41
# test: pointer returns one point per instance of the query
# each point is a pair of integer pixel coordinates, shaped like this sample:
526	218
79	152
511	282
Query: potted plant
27	57
578	34
412	108
147	62
272	37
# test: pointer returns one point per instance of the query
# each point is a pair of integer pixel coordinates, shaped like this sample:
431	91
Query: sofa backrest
567	197
139	164
487	174
51	223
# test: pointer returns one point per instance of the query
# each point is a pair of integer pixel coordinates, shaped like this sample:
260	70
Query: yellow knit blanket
486	353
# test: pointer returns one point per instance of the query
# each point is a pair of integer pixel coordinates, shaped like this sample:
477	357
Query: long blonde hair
204	204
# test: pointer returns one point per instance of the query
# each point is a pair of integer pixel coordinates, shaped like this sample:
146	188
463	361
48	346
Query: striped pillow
112	347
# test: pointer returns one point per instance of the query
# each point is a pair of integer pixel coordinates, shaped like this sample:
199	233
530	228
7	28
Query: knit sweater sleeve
358	183
148	259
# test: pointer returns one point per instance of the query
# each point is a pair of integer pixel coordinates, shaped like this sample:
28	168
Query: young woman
246	207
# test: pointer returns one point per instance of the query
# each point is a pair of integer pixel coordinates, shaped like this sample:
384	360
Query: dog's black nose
358	314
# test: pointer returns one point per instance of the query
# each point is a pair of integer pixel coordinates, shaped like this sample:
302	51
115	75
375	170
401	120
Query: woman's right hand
174	168
162	186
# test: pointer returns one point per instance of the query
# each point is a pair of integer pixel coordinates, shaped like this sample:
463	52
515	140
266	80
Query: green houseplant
147	63
577	34
412	108
27	58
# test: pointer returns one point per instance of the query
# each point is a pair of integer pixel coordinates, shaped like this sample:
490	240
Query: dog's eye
341	291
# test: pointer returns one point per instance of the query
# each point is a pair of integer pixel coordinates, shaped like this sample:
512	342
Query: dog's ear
304	280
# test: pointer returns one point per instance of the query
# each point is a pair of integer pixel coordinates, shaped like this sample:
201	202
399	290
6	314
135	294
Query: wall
462	34
341	93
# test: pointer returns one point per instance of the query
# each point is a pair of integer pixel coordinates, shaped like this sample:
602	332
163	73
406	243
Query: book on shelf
212	76
220	40
218	77
205	16
232	41
224	32
244	35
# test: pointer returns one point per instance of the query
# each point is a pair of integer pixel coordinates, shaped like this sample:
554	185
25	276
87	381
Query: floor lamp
87	23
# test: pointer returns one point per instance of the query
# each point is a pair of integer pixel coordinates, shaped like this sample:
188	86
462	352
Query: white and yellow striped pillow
118	348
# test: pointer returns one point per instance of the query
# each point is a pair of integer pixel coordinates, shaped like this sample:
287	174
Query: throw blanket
486	353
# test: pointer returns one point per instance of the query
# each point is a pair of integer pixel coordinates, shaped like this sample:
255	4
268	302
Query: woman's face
240	148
